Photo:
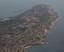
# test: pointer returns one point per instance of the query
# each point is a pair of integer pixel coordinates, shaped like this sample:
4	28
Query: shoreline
42	43
54	22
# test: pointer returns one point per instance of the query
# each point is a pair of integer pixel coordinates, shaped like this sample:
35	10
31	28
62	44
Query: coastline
32	24
54	22
42	43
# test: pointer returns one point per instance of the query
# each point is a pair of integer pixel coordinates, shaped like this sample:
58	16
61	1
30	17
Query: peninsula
26	29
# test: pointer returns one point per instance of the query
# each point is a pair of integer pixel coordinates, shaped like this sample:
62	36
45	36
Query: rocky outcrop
26	29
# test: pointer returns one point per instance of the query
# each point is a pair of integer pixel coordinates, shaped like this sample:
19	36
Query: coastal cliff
26	29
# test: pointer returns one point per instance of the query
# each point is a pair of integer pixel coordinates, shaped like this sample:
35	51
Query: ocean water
55	36
40	48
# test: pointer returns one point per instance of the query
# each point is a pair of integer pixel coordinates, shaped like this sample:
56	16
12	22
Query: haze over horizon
15	7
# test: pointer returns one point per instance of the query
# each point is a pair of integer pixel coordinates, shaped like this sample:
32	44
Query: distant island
26	29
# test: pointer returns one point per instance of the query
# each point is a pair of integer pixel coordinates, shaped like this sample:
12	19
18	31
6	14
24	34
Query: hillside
26	29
